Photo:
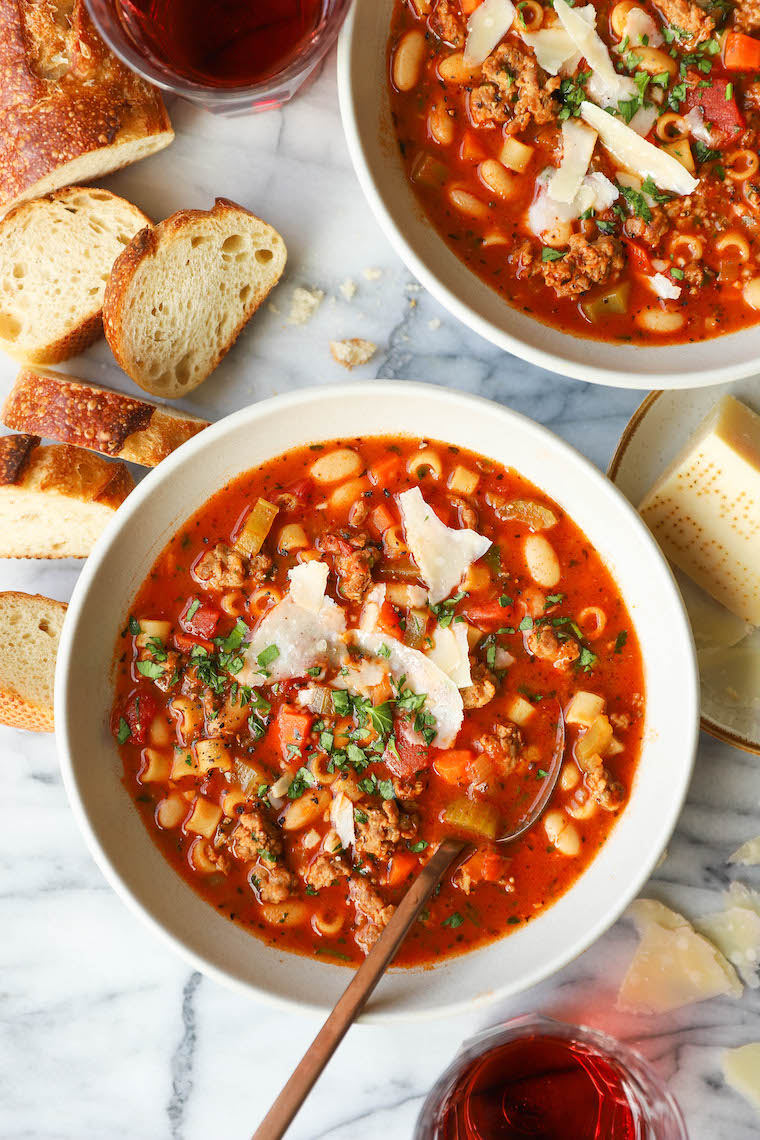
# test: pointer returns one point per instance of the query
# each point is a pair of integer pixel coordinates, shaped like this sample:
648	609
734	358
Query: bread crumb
435	324
347	289
304	304
373	274
352	353
413	287
273	308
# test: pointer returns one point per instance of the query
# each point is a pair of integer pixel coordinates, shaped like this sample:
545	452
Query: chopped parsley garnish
587	659
420	845
648	186
235	639
266	657
704	153
134	626
549	254
150	669
302	780
341	702
505	601
541	774
384	651
677	273
571	95
195	605
360	816
620	640
124	731
637	203
553	600
444	611
454	920
314	671
381	718
526	624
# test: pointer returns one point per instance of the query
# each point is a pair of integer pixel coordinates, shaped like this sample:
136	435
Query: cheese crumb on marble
741	1068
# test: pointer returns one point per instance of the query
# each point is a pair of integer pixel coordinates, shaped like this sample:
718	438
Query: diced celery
528	511
428	171
615	301
416	628
257	527
467	815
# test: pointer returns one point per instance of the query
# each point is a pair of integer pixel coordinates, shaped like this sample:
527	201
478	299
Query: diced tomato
639	257
486	613
410	754
301	490
381	519
720	109
486	866
453	765
186	643
389	621
401	867
384	471
291	728
204	620
139	712
741	53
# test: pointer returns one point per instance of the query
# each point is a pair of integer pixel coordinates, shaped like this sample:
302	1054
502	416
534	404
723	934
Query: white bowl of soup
627	285
315	640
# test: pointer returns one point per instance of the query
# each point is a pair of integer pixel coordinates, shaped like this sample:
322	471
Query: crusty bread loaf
55	256
55	500
70	112
68	410
30	629
181	292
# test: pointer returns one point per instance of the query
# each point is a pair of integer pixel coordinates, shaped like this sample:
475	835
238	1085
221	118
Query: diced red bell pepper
741	53
410	754
638	257
186	643
139	711
204	620
720	109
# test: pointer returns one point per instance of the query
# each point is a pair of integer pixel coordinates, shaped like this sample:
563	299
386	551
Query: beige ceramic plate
655	433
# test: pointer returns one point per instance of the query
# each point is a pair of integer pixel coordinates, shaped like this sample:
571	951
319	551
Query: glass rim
319	43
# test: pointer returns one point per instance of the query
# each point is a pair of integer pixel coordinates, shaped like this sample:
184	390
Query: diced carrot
486	613
389	621
486	866
291	728
452	765
382	692
401	867
471	150
381	519
384	471
741	53
469	6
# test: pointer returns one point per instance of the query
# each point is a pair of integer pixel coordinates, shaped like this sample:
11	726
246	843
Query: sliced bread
70	111
63	408
55	500
181	292
30	629
55	257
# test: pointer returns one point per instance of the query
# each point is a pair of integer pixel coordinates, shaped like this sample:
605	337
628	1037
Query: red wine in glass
231	43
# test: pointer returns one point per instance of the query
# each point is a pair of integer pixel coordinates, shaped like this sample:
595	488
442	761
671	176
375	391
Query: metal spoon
356	995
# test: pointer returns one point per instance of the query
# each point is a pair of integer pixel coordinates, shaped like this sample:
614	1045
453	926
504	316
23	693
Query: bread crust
15	710
63	95
69	410
66	470
145	246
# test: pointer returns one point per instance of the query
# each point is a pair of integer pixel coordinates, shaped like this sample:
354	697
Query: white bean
561	833
407	60
542	562
342	463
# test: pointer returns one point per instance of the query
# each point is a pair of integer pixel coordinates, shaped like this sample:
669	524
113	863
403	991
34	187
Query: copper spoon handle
356	995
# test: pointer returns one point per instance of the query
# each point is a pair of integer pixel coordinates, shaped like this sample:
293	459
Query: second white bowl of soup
673	266
188	510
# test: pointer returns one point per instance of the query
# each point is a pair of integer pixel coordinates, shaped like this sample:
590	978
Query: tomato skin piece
410	756
139	711
638	257
204	621
722	113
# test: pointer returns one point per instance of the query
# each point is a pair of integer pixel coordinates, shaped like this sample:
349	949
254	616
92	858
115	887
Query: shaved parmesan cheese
486	27
554	49
596	193
360	676
422	675
736	933
578	144
373	603
663	286
635	153
740	895
748	854
451	653
302	638
697	128
308	582
640	28
342	819
741	1068
442	555
643	121
673	965
608	86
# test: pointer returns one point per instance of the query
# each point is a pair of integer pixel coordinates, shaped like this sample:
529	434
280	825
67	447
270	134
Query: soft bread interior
33	525
30	629
55	258
185	305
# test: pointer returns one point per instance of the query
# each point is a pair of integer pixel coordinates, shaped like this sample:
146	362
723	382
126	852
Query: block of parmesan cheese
704	510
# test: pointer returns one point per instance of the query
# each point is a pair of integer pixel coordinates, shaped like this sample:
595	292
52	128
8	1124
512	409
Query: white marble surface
104	1032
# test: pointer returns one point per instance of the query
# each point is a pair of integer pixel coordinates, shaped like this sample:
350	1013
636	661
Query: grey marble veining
104	1032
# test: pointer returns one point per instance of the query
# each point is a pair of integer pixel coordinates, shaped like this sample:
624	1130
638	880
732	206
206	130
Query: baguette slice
56	500
181	292
47	403
70	111
55	257
30	629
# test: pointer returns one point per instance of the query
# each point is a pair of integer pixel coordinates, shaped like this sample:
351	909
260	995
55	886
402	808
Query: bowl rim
460	308
214	436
